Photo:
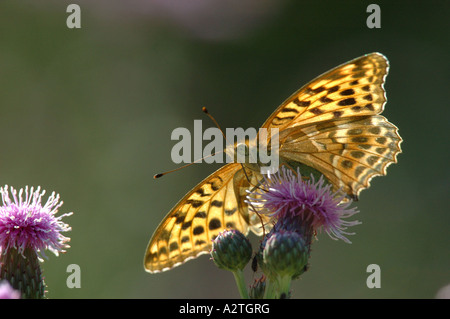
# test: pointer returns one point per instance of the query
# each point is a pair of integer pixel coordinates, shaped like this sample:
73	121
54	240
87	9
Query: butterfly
330	126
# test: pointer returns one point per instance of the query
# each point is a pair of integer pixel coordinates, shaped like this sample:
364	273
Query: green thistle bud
231	250
23	272
285	254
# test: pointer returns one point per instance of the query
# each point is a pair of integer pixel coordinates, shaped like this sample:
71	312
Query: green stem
239	277
284	285
271	289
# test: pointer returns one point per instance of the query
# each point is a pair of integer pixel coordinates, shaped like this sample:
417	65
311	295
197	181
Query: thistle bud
285	254
231	250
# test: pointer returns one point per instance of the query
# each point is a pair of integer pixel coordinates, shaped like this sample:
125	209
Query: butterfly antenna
184	166
205	110
199	160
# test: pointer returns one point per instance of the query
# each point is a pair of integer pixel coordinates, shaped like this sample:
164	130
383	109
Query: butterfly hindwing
349	152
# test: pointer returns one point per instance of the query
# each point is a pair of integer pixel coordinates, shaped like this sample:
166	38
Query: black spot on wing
337	114
289	109
217	203
173	246
200	215
186	225
333	89
347	102
194	202
325	99
301	103
347	164
198	230
347	92
316	111
214	224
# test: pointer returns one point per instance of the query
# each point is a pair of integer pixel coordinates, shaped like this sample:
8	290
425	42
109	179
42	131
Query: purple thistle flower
26	224
287	197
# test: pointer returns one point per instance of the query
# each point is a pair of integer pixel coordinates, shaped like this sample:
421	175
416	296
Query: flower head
25	223
288	197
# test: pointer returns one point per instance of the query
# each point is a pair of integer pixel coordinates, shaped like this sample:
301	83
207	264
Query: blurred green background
88	113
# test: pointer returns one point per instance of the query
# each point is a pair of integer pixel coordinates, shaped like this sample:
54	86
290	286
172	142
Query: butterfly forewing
217	203
352	89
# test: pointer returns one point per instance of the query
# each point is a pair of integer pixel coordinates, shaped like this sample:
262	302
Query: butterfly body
331	127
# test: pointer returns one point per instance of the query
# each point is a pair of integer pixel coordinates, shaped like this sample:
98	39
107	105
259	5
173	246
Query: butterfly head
242	151
246	154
